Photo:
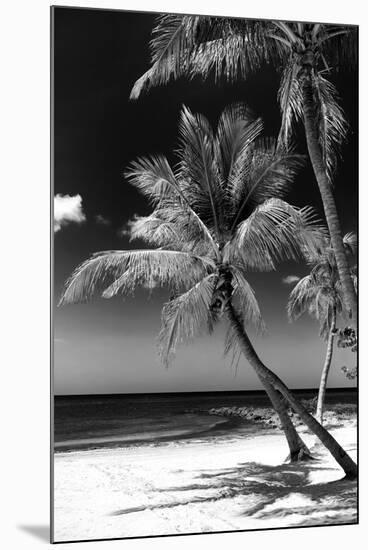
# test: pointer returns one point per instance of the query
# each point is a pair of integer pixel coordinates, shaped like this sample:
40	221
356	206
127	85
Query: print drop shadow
41	532
270	485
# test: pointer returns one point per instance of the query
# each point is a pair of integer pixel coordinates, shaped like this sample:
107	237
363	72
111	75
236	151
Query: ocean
107	421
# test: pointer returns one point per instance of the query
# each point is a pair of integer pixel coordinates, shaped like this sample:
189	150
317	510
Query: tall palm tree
215	217
320	295
306	52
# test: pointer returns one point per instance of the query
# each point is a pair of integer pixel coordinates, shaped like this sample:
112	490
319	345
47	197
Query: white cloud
102	220
67	209
290	279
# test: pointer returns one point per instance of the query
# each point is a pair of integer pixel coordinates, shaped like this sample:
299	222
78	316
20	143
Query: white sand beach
199	487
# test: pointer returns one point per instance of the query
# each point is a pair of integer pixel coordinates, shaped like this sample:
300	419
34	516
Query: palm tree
224	47
320	295
217	215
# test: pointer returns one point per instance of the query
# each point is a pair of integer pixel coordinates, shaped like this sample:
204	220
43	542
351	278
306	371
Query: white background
24	272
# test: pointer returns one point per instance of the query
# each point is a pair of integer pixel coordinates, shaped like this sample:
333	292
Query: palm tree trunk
341	457
297	448
325	189
326	370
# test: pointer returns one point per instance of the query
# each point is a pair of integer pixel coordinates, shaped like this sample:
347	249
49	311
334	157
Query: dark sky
109	345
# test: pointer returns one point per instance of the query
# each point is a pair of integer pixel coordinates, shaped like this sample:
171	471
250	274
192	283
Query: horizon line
141	394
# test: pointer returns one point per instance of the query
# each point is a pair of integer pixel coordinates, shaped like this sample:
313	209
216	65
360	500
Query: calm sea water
89	422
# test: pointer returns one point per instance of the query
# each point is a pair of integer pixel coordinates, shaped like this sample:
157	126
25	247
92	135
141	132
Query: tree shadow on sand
267	492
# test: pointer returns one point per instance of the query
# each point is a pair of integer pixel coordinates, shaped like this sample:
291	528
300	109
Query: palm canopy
320	292
219	213
231	48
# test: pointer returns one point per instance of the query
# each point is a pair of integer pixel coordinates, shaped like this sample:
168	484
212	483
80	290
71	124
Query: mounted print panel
205	190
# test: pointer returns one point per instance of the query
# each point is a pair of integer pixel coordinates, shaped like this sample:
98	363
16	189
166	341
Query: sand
200	486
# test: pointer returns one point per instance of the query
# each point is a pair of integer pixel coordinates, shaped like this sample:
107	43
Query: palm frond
300	297
269	175
288	31
153	230
350	241
185	317
323	256
231	57
143	82
174	227
105	272
248	304
291	101
232	48
202	45
320	294
276	231
153	177
354	276
341	47
171	45
236	131
282	40
231	344
330	117
198	168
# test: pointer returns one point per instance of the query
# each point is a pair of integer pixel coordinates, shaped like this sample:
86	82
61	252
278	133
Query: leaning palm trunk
326	370
297	448
325	189
341	457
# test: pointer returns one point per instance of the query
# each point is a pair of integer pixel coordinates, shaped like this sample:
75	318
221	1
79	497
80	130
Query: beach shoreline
201	486
215	422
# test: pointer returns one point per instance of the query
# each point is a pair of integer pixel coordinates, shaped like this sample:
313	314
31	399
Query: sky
109	346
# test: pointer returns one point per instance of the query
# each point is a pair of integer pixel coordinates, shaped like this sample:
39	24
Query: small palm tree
306	52
219	214
320	295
